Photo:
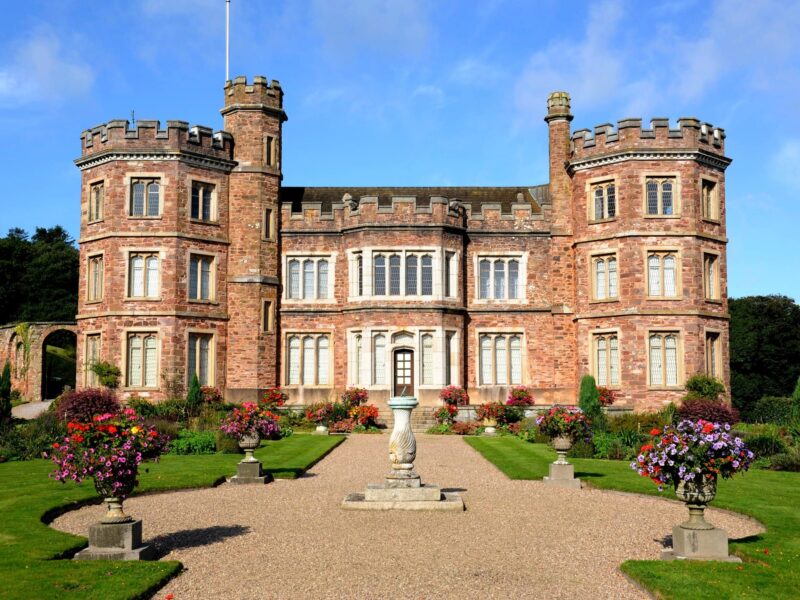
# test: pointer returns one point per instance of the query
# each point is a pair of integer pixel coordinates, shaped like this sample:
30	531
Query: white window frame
661	254
679	359
606	379
522	277
604	256
212	355
95	290
143	334
149	295
492	376
660	179
316	258
318	379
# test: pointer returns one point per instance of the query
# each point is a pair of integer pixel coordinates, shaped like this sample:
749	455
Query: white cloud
786	161
431	93
44	69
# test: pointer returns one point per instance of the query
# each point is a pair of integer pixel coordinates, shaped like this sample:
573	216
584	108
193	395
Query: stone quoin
195	258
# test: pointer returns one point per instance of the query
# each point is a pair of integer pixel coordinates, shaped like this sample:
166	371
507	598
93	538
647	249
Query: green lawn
28	496
770	568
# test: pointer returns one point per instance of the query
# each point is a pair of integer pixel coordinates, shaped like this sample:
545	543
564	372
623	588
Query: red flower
56	445
708	428
655	431
112	429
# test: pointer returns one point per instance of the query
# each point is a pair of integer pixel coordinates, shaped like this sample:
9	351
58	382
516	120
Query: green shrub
589	402
765	445
32	438
512	414
789	461
637	422
772	409
5	394
610	446
108	374
441	429
164	427
143	407
194	442
581	449
173	409
527	429
703	386
227	445
207	419
194	397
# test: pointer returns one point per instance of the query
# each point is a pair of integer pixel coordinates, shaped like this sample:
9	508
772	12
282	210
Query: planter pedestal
562	473
250	472
403	489
321	430
116	541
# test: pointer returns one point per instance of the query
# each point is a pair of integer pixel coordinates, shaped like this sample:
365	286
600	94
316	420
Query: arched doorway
403	363
58	362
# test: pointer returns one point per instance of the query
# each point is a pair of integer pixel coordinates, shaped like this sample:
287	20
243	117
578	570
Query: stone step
422	419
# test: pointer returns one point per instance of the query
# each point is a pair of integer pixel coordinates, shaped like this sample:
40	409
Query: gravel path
290	539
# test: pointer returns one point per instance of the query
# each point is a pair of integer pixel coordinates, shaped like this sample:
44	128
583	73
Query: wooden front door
403	373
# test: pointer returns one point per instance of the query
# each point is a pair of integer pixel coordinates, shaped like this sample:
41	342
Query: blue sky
409	92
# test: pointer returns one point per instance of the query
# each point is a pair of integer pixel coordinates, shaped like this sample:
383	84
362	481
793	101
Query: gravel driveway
290	539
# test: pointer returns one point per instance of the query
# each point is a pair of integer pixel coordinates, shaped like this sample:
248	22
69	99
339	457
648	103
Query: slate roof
476	197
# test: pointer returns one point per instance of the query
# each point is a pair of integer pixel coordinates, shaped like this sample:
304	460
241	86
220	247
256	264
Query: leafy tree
5	394
765	348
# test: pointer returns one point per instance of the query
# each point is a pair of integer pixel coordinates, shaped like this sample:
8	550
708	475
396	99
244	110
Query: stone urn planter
321	429
696	495
249	443
490	426
562	444
114	499
562	472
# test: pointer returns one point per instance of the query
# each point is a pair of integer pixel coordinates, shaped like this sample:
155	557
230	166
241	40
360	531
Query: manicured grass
27	545
770	568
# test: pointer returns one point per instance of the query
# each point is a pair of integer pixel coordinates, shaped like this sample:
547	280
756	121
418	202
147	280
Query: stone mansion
196	259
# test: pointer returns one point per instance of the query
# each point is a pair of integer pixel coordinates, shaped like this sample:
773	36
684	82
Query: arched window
137	199
612	277
654	275
142	368
293	375
485	273
500	361
308	360
486	360
598	203
394	275
600	278
360	274
661	199
323	361
669	275
499	280
294	279
152	277
664	359
153	199
308	279
427	359
513	279
379	359
427	275
411	275
357	349
515	350
143	275
379	275
322	279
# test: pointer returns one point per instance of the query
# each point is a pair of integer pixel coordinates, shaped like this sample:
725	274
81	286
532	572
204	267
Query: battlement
178	135
629	134
261	92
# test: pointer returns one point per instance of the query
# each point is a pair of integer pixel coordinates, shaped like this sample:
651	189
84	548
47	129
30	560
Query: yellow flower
135	429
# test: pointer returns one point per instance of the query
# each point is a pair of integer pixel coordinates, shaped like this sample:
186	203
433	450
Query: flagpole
227	39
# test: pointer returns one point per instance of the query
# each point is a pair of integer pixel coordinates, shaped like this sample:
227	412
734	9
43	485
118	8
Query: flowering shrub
109	448
465	427
690	451
520	396
455	395
355	396
343	426
83	405
446	414
607	396
211	395
249	419
320	413
273	398
366	415
696	409
566	421
491	410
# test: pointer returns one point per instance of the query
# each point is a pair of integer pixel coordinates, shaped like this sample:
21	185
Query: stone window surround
719	362
89	187
716	203
593	334
507	332
268	228
89	299
163	183
87	374
522	283
273	161
440	336
593	256
589	186
647	251
437	253
212	354
141	390
676	193
162	253
679	333
284	348
215	185
315	256
716	294
215	258
267	316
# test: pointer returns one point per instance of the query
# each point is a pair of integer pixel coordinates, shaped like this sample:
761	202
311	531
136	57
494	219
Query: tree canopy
38	276
765	348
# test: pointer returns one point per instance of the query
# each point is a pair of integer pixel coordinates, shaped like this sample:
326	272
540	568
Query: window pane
322	279
411	275
427	275
612	277
193	267
710	278
137	277
152	277
137	200
152	200
500	362
602	362
150	362
357	361
427	359
322	360
669	276
394	275
666	197
203	374
598	203
711	353
294	279
485	269
205	278
654	275
308	279
294	360
499	279
611	200
360	274
448	357
613	359
652	198
379	359
308	360
195	213
600	279
447	287
134	361
656	377
671	351
516	360
379	277
486	360
206	204
513	279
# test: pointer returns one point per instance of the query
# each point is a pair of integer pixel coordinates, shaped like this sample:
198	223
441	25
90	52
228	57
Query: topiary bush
703	386
194	397
84	404
772	409
589	403
695	409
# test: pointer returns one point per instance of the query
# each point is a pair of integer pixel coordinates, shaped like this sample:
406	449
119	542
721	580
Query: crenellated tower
253	115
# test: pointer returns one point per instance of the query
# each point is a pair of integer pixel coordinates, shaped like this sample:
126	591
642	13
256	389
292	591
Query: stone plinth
563	475
250	472
116	541
449	501
699	544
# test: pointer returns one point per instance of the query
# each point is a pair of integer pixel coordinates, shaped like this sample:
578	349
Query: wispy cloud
785	163
429	93
44	69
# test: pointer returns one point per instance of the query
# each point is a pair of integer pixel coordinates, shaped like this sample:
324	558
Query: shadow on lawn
589	475
192	538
